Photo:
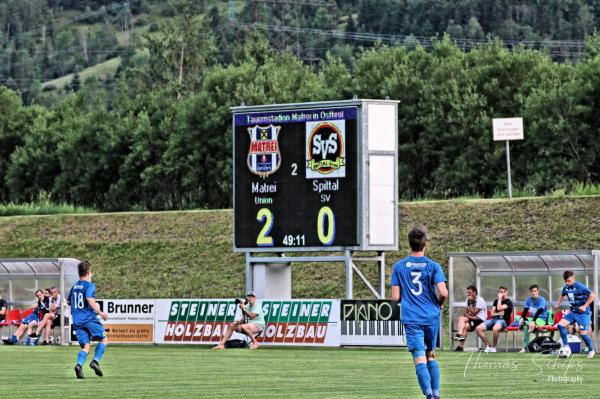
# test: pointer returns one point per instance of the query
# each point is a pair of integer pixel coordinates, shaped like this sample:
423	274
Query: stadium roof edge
520	253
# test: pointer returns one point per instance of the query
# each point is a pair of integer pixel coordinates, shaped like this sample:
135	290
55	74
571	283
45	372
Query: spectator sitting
535	305
30	321
46	309
50	319
474	314
502	309
252	323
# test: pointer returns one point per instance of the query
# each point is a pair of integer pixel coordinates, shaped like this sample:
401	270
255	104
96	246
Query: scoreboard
299	177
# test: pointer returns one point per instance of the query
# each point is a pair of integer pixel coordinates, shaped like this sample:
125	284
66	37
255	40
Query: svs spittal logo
325	149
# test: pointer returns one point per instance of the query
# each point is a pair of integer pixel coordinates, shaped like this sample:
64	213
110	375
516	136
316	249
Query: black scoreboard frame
260	162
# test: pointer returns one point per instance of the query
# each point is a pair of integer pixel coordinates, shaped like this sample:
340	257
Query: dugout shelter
517	271
20	278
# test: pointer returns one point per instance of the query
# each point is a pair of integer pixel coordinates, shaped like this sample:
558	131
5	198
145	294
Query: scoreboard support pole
271	275
351	268
349	272
271	279
248	272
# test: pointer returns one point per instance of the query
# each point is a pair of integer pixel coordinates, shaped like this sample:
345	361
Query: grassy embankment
189	254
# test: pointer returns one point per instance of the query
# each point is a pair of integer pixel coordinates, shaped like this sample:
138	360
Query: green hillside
101	71
189	254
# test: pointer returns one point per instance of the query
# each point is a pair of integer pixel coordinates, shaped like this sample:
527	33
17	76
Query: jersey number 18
78	300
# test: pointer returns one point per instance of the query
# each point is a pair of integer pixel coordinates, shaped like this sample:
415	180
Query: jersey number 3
416	280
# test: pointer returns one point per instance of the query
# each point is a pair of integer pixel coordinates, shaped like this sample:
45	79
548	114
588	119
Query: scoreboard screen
296	179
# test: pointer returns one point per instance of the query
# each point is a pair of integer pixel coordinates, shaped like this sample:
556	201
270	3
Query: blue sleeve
583	289
563	290
90	291
438	274
395	280
528	303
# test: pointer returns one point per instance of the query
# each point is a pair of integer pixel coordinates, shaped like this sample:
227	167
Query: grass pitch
197	372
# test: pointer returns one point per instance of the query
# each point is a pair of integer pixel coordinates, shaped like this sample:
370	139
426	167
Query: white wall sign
130	321
508	129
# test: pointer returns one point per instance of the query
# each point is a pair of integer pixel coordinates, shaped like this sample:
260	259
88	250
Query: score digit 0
325	213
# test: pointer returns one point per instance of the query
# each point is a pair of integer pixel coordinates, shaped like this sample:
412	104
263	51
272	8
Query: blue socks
585	338
100	348
424	378
588	341
563	335
434	372
14	339
81	357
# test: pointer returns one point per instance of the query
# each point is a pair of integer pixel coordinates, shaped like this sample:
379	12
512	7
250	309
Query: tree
181	51
12	126
76	82
454	30
34	163
473	29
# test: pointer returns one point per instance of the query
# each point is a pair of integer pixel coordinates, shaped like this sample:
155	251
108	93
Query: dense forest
41	40
156	133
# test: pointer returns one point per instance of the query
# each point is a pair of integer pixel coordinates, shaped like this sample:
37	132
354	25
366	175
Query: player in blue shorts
580	297
85	311
414	281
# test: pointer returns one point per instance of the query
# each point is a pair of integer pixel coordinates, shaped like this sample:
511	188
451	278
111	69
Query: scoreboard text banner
291	322
371	322
373	309
295	179
305	322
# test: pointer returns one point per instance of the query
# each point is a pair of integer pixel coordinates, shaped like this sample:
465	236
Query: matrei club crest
264	157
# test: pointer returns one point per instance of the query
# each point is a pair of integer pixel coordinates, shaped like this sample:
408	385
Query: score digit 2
265	216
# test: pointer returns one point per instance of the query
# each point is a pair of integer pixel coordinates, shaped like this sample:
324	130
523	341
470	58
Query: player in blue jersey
580	297
535	306
85	311
414	282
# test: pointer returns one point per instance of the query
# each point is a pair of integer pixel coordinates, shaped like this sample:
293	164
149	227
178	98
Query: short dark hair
532	286
83	268
567	274
417	238
472	288
36	291
503	288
